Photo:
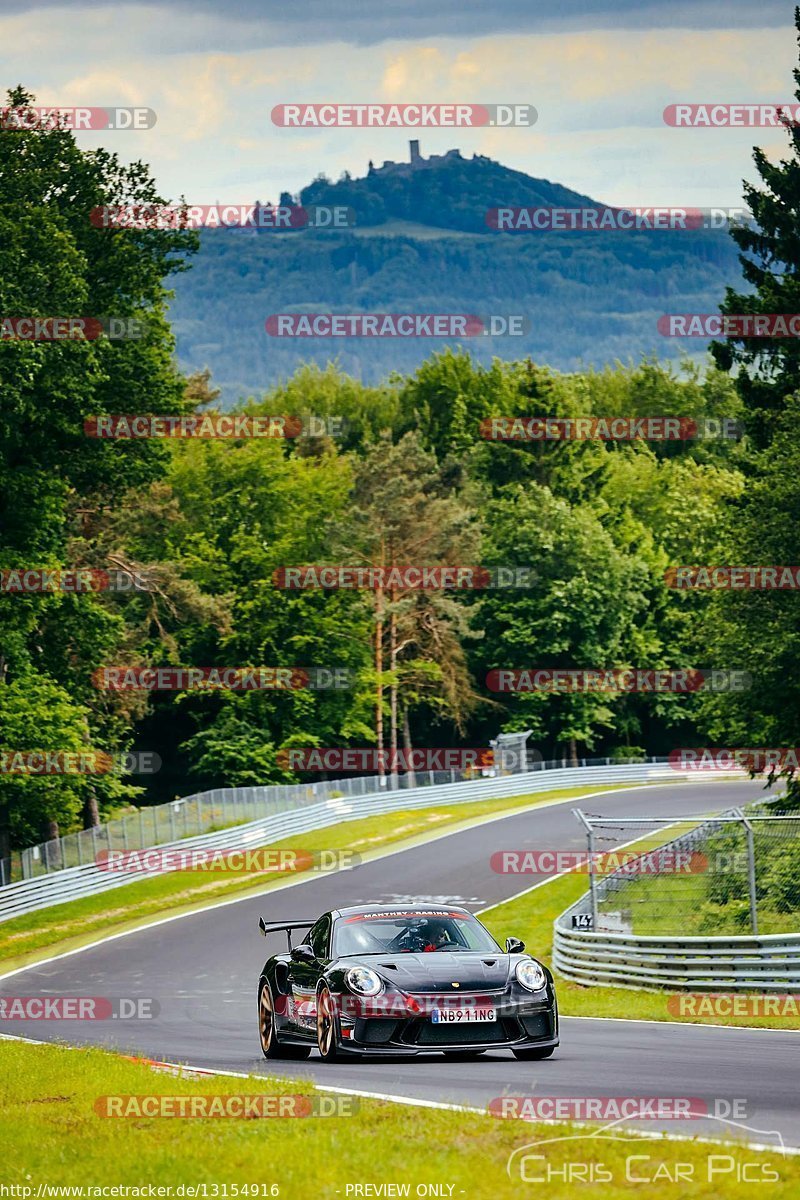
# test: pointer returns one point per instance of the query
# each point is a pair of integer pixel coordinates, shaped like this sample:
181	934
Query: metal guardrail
733	962
219	808
740	963
72	883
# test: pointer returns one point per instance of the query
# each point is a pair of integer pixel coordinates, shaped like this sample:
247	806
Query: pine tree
770	258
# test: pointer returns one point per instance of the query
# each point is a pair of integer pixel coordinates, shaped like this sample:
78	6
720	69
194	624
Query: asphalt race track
203	971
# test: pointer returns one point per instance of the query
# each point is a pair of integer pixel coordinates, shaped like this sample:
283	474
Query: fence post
751	871
590	843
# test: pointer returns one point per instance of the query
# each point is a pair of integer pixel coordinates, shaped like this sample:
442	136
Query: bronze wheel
270	1046
327	1027
266	1028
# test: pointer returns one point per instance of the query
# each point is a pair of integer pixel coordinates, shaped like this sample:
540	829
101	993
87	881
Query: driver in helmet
435	936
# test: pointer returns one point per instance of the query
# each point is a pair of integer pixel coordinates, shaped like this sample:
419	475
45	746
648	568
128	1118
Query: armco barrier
739	962
207	812
769	963
71	883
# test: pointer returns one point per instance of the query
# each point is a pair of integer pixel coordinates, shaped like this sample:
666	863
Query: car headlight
531	975
363	981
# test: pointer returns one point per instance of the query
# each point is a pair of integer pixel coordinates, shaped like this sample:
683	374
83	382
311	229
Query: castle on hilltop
417	163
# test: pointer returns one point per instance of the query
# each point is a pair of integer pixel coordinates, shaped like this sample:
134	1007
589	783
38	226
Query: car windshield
410	933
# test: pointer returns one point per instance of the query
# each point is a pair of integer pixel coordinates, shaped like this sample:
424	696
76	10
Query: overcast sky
599	73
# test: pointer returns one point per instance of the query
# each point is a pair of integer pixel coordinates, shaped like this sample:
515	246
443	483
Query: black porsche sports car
411	980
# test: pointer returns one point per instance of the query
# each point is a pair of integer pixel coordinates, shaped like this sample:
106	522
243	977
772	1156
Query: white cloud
600	97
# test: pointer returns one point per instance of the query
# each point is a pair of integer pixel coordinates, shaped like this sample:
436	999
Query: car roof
422	910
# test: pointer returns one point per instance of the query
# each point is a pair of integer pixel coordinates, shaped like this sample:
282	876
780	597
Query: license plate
461	1016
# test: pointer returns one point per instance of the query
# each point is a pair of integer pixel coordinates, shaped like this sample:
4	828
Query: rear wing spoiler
283	926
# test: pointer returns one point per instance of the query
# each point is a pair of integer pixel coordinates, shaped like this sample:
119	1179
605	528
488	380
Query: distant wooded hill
421	244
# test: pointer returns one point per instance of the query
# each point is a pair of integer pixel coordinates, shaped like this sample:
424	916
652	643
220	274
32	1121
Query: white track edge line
418	1102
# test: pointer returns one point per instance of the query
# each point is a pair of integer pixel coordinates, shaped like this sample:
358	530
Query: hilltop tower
416	157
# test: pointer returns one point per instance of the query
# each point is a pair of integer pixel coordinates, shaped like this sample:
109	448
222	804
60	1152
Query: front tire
270	1046
327	1028
532	1053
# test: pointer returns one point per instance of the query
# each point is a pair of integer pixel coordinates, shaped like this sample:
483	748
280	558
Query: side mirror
514	946
303	953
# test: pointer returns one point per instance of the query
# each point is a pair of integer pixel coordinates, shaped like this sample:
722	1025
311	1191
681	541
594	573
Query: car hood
437	971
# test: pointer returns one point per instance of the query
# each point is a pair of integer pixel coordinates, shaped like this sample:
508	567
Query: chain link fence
222	808
736	873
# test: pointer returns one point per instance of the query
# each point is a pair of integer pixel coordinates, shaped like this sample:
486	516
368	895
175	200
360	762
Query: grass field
664	907
67	926
54	1137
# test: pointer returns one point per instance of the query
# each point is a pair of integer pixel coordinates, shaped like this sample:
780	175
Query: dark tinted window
318	938
411	932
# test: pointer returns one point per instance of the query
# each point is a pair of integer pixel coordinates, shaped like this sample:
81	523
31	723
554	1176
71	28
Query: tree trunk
91	811
412	778
573	752
379	679
393	691
5	842
53	852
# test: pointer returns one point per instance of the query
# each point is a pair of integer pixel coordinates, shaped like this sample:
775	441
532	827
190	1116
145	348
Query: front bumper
517	1026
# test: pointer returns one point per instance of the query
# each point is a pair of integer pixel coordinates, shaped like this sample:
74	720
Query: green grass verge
531	917
673	903
54	1136
67	926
